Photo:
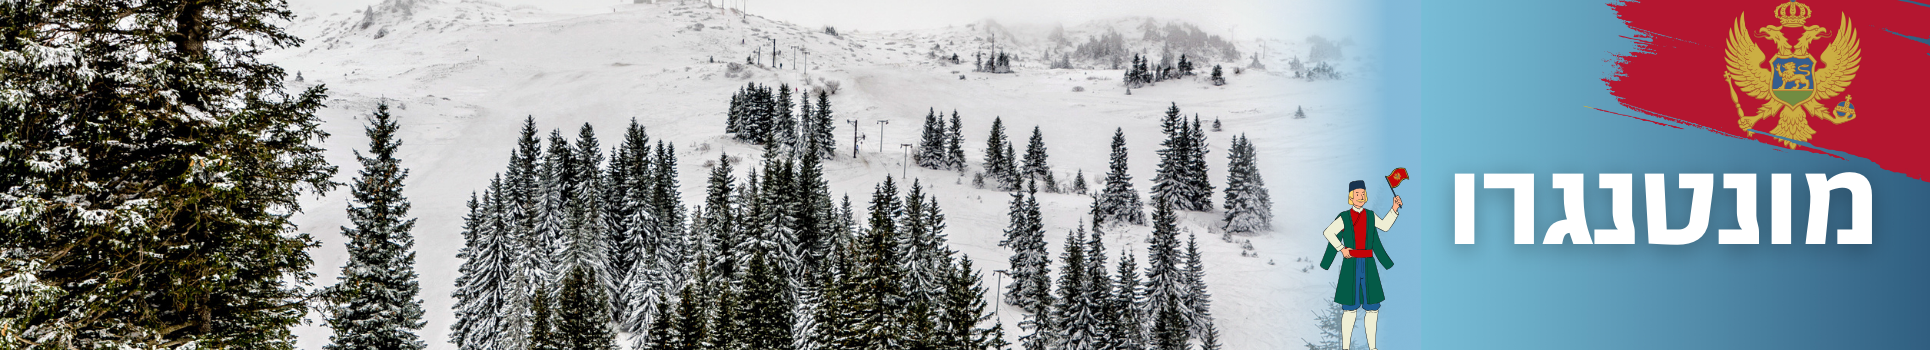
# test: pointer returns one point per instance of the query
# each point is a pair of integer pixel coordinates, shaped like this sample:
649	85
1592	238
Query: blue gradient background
1499	87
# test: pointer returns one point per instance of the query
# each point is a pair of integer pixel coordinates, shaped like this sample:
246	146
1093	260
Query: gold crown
1792	13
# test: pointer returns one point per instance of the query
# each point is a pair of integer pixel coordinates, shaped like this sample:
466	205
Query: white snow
461	77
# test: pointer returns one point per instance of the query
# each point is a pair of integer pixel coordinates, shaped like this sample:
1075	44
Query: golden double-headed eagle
1792	83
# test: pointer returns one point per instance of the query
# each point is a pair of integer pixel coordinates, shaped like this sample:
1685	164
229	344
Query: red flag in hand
1394	179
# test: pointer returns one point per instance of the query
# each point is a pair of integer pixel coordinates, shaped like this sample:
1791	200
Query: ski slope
461	77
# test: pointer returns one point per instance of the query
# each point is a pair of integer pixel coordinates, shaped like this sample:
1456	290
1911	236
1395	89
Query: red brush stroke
1674	73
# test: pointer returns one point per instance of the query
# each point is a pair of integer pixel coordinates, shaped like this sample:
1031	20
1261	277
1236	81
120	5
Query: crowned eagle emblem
1792	83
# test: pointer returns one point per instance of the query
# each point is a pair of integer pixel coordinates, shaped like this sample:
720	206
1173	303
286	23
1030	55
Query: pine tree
1082	297
766	308
1035	167
963	309
1218	80
691	327
1248	206
556	184
1119	202
375	305
1179	161
932	149
872	284
998	159
630	227
783	123
1167	280
583	313
152	159
1210	339
522	198
927	260
1079	182
543	334
1025	236
1199	187
1169	329
663	332
1197	298
955	144
588	230
822	124
815	217
1129	298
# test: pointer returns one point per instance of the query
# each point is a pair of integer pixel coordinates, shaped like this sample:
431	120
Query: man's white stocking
1347	331
1373	322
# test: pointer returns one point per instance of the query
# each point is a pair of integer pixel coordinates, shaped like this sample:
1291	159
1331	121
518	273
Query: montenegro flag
1844	78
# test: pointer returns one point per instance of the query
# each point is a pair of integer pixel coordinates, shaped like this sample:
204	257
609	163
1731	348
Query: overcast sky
1241	18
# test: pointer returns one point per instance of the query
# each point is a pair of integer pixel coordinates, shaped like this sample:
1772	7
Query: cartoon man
1355	235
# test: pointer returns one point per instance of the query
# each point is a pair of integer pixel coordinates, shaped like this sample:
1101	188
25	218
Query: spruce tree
998	159
955	144
1129	298
550	234
1249	207
692	322
1167	281
962	310
1079	309
1169	328
783	123
1035	167
663	332
1025	236
932	149
588	230
1119	202
1197	298
1199	186
1079	182
1218	80
824	144
543	334
765	310
375	305
151	163
583	312
522	199
1174	183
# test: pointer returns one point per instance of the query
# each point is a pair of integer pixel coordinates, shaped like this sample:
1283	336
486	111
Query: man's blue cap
1356	185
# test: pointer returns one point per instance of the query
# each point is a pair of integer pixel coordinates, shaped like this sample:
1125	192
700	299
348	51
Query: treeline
766	262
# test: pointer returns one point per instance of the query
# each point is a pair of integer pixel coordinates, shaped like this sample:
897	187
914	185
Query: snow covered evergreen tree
962	310
1079	182
1119	203
1166	277
1249	207
955	144
586	227
1128	299
1025	236
1078	312
150	152
1217	78
550	233
583	312
491	296
1197	298
927	259
784	129
543	334
999	160
822	142
1034	167
374	305
766	307
1182	165
932	148
1169	329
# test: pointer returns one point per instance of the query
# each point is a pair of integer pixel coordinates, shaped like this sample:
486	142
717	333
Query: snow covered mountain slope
461	77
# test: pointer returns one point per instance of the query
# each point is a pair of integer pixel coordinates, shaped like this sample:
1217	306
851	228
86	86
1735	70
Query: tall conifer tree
375	302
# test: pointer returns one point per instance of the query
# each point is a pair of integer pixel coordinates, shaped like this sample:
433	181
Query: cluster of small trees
1144	71
761	116
992	63
1094	309
1005	170
941	145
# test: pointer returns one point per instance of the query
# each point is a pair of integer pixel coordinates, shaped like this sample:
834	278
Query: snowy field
461	77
